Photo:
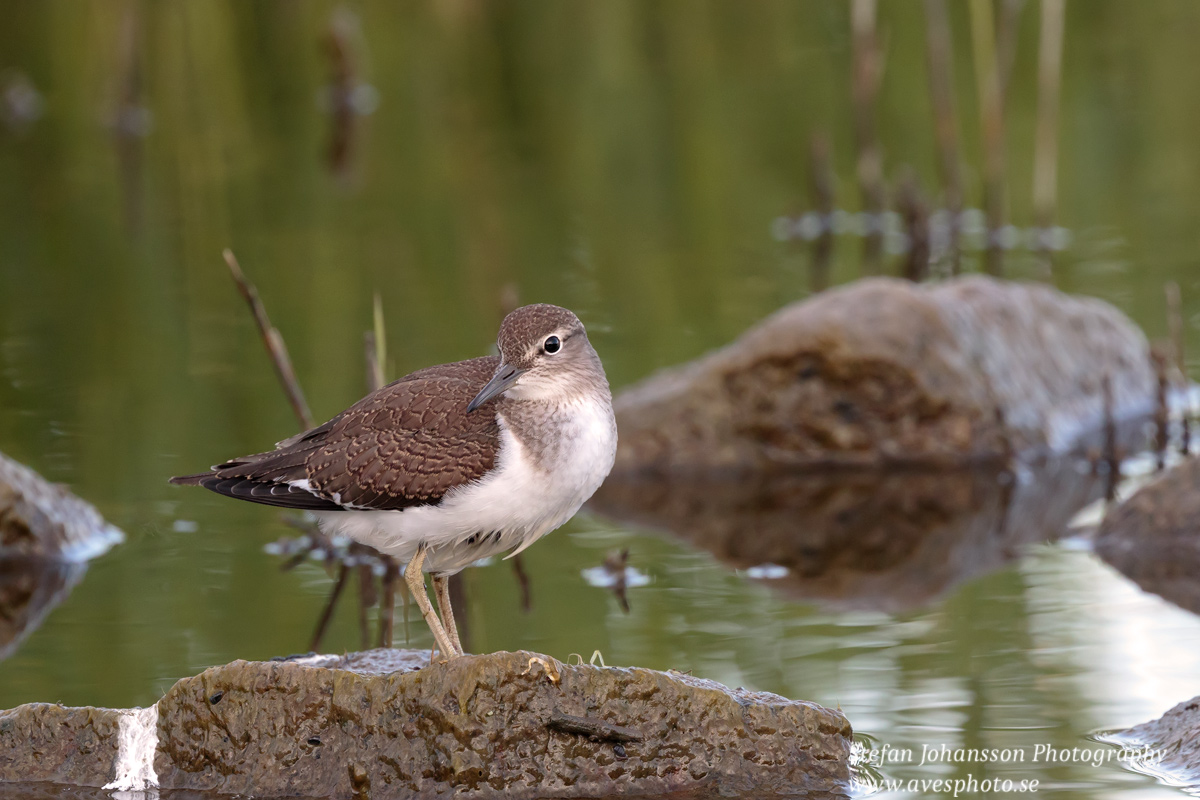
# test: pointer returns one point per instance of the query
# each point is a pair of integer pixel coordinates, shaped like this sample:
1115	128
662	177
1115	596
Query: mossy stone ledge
386	723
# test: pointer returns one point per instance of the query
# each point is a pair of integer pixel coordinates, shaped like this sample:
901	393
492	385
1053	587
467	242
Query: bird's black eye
552	345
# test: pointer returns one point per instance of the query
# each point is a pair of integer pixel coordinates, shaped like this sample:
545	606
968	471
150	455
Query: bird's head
544	353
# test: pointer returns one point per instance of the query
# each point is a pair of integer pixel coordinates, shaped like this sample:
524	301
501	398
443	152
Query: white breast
511	507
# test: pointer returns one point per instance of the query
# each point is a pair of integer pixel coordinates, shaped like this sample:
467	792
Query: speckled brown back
406	444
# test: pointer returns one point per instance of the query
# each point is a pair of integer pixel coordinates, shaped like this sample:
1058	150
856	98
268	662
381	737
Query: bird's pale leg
415	579
441	589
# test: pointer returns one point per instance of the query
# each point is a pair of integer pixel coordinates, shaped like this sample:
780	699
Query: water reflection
1011	662
1151	538
858	539
1127	654
29	589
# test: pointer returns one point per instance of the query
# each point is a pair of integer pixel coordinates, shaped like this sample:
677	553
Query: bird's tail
190	480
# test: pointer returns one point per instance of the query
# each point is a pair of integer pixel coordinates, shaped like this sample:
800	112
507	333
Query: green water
625	159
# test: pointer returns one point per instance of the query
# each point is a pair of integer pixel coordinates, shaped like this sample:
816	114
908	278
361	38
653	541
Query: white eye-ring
552	345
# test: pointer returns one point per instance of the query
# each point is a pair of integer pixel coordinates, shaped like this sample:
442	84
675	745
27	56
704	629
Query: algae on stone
477	726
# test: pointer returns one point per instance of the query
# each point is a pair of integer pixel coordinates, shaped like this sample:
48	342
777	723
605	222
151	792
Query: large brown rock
1153	538
884	371
503	725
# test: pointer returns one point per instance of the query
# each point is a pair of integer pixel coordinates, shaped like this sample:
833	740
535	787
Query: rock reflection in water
29	589
863	539
46	536
1151	537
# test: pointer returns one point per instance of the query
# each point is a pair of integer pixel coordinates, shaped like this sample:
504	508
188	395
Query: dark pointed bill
504	378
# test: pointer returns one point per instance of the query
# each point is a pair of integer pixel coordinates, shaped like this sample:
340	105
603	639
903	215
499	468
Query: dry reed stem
1045	154
1110	442
374	370
822	181
991	118
1162	410
1175	324
518	567
867	75
273	341
277	350
327	613
940	56
366	599
391	575
380	342
1007	26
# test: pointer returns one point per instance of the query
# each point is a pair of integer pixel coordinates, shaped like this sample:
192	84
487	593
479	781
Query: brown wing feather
406	444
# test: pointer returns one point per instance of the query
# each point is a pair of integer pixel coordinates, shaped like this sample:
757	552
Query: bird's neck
548	429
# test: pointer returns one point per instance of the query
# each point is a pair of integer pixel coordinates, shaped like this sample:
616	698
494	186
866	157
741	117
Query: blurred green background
625	159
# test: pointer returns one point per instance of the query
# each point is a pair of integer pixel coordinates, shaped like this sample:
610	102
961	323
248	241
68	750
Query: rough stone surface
38	518
884	371
862	538
1153	538
1176	735
56	744
478	726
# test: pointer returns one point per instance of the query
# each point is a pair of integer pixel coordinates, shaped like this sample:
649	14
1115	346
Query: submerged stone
39	518
1153	538
1168	747
500	725
884	371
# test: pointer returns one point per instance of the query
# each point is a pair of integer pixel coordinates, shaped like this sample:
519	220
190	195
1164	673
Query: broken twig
518	568
592	727
915	213
1175	324
391	575
1162	408
367	597
1111	458
327	614
273	341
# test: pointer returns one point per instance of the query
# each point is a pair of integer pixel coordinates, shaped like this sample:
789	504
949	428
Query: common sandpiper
453	463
